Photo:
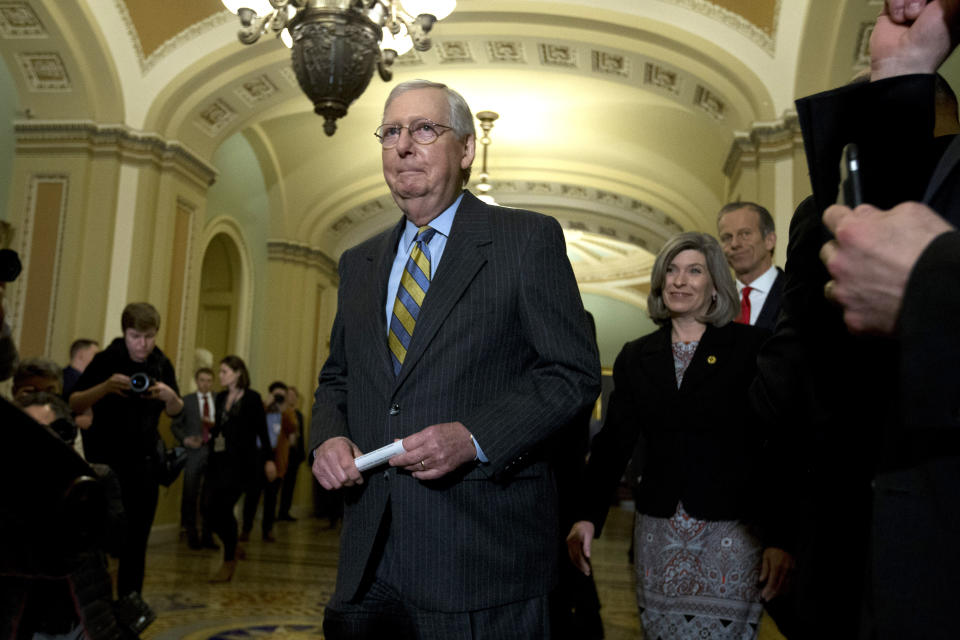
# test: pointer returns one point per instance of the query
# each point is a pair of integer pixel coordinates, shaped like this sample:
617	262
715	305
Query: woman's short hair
724	307
237	364
461	118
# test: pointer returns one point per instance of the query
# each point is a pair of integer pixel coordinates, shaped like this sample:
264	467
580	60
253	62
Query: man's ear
469	151
770	241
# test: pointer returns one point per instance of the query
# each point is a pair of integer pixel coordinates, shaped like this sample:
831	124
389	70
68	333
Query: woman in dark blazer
239	445
680	410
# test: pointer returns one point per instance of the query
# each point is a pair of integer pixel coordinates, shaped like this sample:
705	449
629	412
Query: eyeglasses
422	131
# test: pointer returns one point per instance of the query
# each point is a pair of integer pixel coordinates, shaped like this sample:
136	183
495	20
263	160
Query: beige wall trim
38	181
117	139
767	140
121	257
300	254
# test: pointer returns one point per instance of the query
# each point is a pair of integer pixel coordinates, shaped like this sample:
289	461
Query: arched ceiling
616	116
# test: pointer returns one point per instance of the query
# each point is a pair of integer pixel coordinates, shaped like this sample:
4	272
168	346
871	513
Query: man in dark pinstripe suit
456	537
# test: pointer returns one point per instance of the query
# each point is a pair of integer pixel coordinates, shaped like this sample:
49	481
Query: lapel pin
711	359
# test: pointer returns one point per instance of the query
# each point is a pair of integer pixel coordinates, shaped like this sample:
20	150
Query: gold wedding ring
422	467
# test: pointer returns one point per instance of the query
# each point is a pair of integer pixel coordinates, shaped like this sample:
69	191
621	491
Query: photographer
128	384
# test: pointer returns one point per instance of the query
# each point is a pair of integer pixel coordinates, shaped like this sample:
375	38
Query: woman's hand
578	545
270	470
775	572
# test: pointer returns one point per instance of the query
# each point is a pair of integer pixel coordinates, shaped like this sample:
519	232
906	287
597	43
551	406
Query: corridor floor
279	590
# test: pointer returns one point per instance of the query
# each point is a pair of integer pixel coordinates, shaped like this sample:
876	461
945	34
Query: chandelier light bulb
260	7
401	43
439	9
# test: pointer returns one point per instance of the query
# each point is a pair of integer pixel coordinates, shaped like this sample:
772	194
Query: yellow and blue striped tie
410	294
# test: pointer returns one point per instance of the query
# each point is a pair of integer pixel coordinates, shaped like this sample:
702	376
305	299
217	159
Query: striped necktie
410	294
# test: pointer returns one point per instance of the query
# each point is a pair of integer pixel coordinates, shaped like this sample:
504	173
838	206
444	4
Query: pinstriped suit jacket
501	345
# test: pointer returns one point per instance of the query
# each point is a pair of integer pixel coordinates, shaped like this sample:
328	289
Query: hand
436	451
912	36
333	465
578	545
117	383
193	442
84	420
871	259
776	572
270	470
160	391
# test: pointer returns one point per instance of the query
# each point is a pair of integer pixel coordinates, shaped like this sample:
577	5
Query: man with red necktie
192	428
748	237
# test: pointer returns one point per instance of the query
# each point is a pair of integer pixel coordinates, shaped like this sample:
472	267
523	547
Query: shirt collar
442	223
763	283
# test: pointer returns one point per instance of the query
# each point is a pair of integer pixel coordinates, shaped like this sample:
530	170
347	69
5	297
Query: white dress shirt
759	289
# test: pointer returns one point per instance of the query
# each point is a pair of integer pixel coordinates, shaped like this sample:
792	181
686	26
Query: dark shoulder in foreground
748	335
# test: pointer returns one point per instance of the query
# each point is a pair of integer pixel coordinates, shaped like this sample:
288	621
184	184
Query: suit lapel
771	305
946	165
463	257
380	261
709	358
656	361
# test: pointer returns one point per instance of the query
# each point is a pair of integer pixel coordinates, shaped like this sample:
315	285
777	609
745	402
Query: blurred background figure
239	454
296	456
192	428
81	353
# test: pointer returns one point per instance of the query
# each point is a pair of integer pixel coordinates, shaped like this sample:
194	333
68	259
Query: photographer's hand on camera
160	391
118	383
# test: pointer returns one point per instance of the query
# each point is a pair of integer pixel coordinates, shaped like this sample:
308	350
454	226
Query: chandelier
337	43
486	119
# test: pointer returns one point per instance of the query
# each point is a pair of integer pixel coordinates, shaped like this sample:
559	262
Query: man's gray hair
767	225
723	308
461	118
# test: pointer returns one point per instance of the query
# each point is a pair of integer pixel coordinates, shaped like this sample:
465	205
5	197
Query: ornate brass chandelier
337	43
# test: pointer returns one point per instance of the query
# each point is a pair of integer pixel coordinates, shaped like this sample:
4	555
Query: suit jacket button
395	410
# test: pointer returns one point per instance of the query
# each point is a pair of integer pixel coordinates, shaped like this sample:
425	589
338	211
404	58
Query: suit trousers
140	492
381	613
193	474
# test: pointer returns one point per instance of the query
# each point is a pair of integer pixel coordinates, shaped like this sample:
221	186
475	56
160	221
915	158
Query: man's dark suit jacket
190	422
501	345
767	318
875	420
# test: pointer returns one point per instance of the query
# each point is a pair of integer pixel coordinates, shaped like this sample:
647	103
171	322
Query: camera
140	382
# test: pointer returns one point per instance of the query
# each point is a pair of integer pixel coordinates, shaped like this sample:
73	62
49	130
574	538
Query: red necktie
206	417
744	317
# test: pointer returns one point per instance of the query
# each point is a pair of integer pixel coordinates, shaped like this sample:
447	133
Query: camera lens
139	382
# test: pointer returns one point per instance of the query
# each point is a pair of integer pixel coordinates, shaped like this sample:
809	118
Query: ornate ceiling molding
763	39
764	140
191	32
285	251
53	136
19	21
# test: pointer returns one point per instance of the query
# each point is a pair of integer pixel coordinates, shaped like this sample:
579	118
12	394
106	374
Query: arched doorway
221	278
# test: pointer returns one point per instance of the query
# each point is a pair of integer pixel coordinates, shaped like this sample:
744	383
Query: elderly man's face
424	178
